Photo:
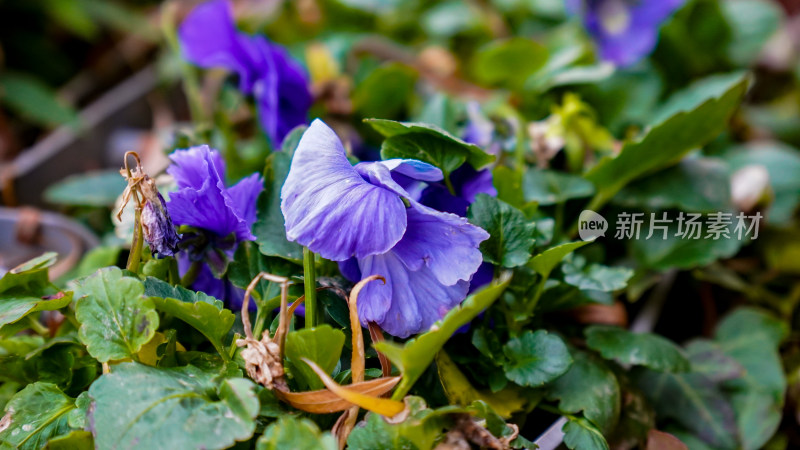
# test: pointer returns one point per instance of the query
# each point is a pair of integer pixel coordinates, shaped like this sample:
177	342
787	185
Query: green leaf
36	414
548	187
269	228
416	354
153	287
146	407
74	440
596	276
386	91
686	122
545	262
636	349
535	358
204	313
99	189
683	252
34	100
508	62
292	432
752	24
694	184
96	258
428	143
29	278
116	319
694	401
421	430
13	308
511	234
752	337
588	386
321	344
580	434
708	358
459	391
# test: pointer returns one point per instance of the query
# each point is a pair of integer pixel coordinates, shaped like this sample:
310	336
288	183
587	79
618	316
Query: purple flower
467	183
362	217
625	30
278	83
202	199
221	216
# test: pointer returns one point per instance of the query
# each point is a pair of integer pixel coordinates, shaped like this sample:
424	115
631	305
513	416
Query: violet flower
360	216
219	216
278	83
625	30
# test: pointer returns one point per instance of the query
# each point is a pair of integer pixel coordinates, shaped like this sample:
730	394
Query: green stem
135	256
449	184
191	274
38	327
191	84
310	286
174	277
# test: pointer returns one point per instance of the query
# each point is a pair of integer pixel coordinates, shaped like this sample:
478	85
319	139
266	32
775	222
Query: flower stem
37	326
191	274
310	286
135	256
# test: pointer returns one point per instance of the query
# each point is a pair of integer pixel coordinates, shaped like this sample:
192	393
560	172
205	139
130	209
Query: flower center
614	16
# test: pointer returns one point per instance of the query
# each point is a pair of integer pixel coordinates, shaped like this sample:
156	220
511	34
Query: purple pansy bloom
278	83
363	218
625	30
222	216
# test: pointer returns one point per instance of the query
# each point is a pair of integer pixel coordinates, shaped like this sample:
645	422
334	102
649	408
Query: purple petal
480	183
414	169
444	243
193	166
209	39
203	201
410	302
330	208
244	196
625	31
350	270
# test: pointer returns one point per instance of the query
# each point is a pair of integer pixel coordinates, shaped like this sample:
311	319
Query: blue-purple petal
203	201
329	208
209	39
444	243
410	301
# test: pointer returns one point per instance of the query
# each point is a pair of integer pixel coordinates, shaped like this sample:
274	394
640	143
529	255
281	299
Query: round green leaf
535	358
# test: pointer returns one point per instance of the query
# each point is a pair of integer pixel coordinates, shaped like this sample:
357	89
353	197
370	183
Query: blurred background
84	81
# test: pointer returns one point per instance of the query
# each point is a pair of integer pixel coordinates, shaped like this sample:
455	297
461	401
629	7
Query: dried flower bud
157	227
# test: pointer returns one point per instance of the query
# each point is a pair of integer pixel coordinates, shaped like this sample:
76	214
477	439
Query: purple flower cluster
625	30
279	85
364	218
221	216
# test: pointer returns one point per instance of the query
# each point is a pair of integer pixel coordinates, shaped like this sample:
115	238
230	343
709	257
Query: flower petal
193	166
330	208
209	39
412	168
243	199
410	301
203	200
444	243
